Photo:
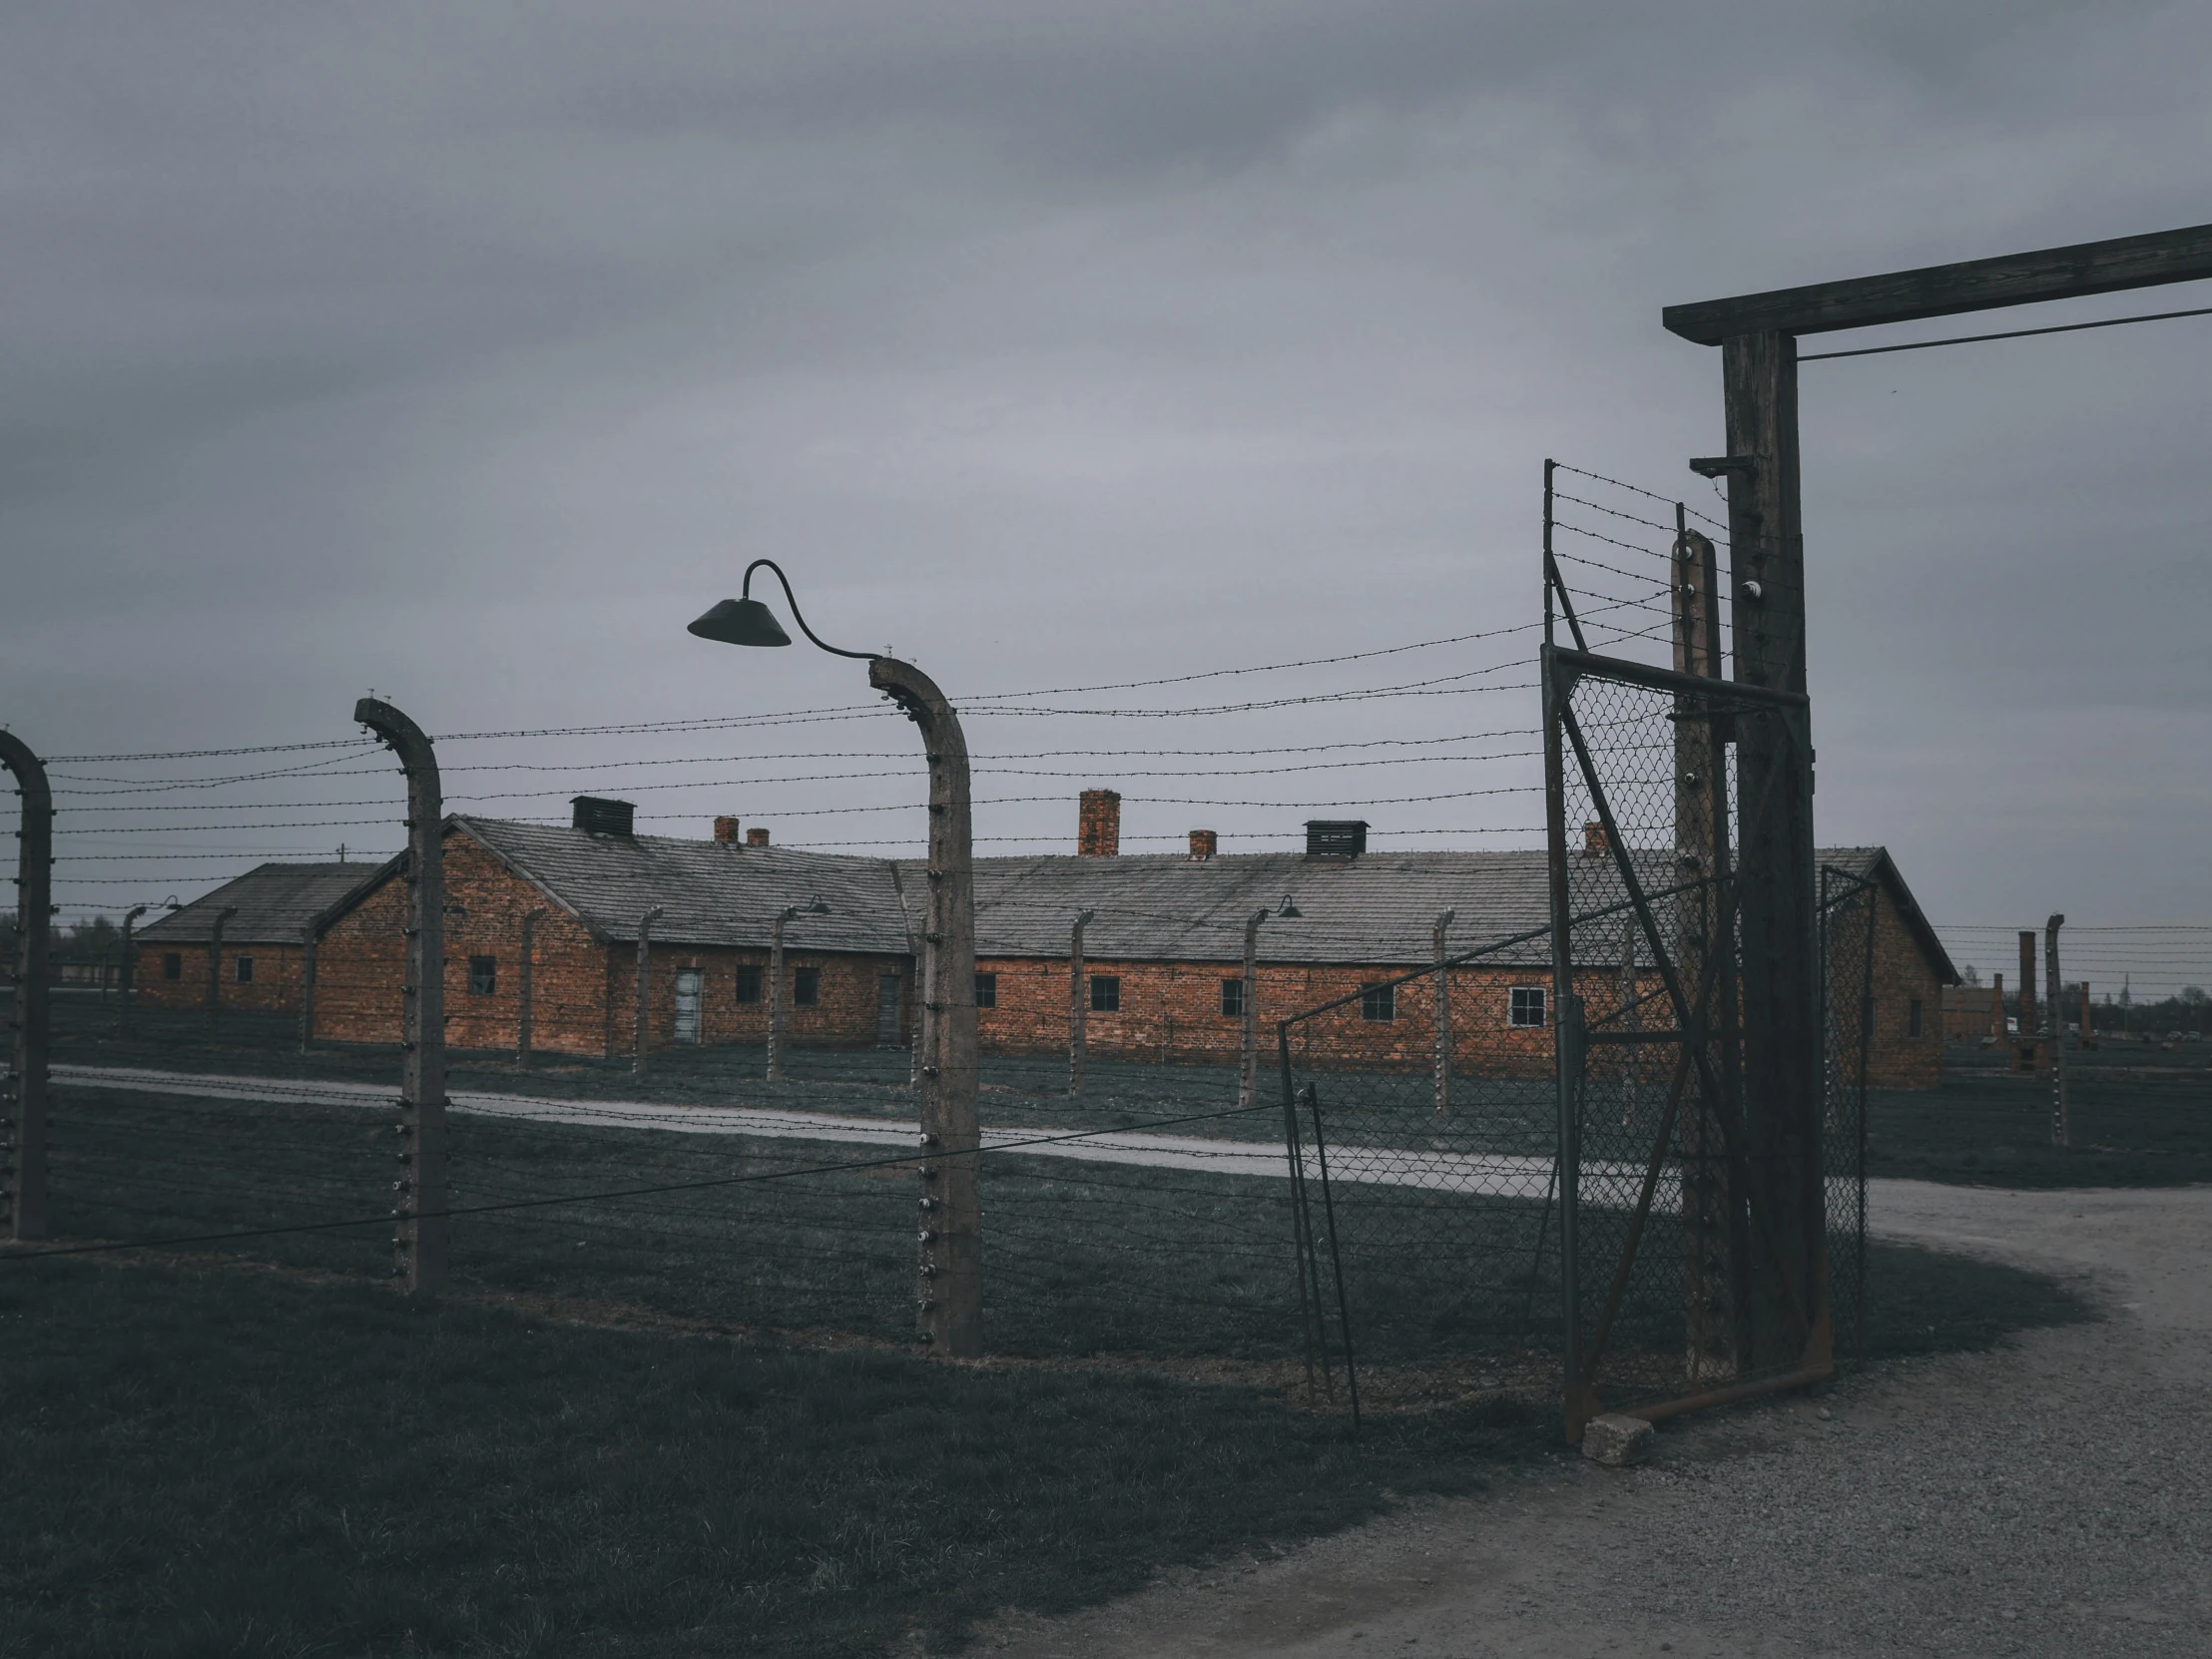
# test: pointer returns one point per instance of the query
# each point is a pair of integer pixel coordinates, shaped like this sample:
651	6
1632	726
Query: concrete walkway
1495	1175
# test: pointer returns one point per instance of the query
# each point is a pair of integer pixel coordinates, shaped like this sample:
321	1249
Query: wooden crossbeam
2183	256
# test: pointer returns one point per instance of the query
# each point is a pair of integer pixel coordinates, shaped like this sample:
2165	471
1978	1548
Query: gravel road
2052	1498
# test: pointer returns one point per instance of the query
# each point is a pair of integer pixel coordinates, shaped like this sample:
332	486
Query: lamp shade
741	621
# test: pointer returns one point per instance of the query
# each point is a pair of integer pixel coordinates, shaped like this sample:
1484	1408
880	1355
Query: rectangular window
806	986
243	968
1105	994
1913	1017
1379	1002
173	964
1525	1008
987	990
483	975
748	982
1232	998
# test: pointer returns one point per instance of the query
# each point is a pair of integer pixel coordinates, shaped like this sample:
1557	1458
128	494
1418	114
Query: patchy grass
2134	1126
242	1463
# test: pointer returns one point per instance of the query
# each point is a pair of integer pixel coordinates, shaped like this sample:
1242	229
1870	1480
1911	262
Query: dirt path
2050	1498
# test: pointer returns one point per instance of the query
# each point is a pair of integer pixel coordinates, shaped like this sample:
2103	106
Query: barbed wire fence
1150	1216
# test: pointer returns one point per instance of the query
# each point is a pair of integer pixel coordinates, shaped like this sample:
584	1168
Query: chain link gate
1711	1128
1423	1186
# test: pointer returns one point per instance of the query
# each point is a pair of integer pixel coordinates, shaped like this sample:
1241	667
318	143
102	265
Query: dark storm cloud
458	348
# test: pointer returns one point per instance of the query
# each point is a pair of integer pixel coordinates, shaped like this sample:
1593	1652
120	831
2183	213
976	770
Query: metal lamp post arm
791	599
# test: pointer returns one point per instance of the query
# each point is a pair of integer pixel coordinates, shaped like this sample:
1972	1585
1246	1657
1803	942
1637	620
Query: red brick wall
1897	1059
583	993
1171	1012
274	988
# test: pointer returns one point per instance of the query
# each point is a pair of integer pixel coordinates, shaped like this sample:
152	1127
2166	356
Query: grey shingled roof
712	892
1377	910
275	904
1380	908
1873	864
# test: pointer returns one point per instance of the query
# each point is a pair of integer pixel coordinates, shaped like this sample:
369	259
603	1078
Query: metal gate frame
1707	1032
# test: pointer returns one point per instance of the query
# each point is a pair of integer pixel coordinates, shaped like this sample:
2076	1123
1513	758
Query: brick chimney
1594	843
756	835
1203	845
726	829
1098	824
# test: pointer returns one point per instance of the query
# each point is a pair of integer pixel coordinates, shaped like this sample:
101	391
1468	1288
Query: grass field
689	1421
2142	1118
235	1462
250	1463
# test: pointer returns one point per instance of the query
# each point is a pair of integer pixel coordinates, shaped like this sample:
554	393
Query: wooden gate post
1777	904
419	1195
25	1153
1711	1278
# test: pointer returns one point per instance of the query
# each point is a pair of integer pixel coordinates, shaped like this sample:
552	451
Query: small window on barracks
1913	1017
173	964
1105	994
1379	1002
483	975
243	968
806	986
1525	1008
749	981
987	990
1232	998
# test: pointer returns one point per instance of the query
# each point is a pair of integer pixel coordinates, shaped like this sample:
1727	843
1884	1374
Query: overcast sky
467	351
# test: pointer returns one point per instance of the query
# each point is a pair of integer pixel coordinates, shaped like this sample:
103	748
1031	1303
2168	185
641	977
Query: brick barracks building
542	925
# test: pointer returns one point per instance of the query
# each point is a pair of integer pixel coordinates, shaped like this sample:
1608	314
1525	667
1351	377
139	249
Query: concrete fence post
1443	1014
419	1195
214	967
776	998
645	987
525	985
25	1151
127	973
2055	998
948	1296
309	941
1079	1001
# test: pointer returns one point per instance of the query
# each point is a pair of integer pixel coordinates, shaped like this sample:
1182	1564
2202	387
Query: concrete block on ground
1616	1440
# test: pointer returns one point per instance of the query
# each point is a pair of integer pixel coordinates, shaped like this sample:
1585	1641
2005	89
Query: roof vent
600	817
1335	838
